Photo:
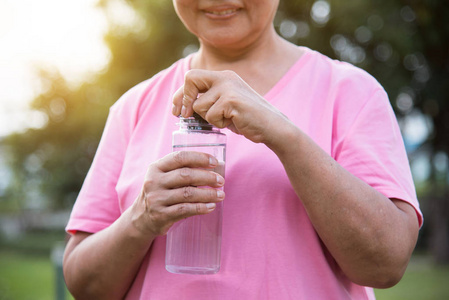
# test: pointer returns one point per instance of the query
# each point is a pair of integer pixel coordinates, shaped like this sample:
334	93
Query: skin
240	58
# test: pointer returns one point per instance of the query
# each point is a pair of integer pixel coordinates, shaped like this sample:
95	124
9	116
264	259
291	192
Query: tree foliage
403	43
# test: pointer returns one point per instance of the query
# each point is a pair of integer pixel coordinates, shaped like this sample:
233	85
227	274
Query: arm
103	265
370	236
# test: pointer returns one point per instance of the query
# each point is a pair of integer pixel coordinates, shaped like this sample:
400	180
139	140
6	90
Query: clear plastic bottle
194	244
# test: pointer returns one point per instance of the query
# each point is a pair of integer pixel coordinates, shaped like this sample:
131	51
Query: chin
227	41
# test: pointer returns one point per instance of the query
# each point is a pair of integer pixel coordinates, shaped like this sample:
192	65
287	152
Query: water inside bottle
194	244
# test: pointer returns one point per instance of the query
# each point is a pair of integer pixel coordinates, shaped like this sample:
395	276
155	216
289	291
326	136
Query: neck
229	58
261	64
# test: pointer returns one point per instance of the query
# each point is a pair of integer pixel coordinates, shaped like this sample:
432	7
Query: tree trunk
439	228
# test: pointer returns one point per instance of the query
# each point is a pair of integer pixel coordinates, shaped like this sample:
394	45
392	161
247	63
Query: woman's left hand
223	99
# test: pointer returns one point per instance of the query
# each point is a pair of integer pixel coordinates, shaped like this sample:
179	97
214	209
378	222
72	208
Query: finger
181	159
191	177
190	194
204	103
185	210
177	101
219	114
195	82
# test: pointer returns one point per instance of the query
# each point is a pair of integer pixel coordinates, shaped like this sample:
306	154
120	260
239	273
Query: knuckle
186	210
187	193
233	95
179	157
185	173
212	194
188	74
197	107
156	219
148	185
160	221
228	74
182	209
198	207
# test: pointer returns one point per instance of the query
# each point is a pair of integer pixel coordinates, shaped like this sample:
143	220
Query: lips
222	12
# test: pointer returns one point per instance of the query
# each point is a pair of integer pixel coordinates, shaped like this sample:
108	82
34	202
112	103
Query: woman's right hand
177	187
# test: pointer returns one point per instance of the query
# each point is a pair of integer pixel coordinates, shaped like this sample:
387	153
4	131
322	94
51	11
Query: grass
24	276
26	269
422	280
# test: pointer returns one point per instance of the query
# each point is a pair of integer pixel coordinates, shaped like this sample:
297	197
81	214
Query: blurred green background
403	43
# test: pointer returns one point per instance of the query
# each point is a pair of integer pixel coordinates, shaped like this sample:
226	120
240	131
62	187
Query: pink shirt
270	249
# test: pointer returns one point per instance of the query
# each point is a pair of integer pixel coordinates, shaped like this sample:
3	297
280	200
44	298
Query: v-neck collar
285	79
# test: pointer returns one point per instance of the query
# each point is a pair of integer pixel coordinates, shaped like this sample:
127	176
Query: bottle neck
196	123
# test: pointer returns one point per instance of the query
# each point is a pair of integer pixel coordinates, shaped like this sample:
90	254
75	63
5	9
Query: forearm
104	265
369	236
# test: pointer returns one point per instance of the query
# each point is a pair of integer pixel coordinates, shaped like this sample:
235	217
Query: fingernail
210	206
183	110
213	162
220	194
220	180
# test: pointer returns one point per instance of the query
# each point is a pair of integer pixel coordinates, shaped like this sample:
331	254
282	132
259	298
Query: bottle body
194	244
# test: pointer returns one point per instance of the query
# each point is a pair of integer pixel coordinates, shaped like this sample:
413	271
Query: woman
320	203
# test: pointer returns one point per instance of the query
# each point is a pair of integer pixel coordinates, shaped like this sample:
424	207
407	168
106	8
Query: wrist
138	221
284	138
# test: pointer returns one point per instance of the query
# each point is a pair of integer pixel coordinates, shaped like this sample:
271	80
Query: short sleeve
370	146
97	204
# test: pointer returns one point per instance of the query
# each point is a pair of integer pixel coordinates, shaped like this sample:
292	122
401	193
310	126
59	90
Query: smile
223	12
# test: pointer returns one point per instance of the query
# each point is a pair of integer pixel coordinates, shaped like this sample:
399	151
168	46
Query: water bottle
194	244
